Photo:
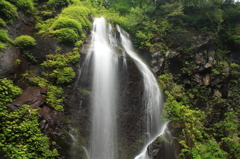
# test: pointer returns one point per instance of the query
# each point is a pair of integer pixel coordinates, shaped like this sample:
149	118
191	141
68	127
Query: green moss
25	5
66	35
2	46
43	26
21	136
54	97
4	36
79	13
57	4
8	11
63	75
18	129
65	22
78	43
61	60
2	23
7	92
25	42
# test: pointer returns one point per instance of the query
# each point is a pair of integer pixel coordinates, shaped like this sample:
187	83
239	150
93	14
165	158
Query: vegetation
58	66
8	11
210	116
24	42
2	46
4	36
25	5
66	35
57	4
19	130
2	23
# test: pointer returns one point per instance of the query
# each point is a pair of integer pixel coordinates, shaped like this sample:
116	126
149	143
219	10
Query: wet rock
172	125
157	61
85	48
8	59
211	54
12	107
217	93
203	79
23	25
200	59
200	40
172	53
12	63
32	96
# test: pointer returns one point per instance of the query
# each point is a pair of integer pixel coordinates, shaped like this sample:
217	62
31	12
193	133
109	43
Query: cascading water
104	99
104	64
153	98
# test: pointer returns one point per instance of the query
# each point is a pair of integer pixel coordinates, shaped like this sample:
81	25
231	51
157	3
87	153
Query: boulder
32	96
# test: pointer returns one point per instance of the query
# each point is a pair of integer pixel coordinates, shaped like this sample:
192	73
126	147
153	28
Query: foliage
200	144
19	132
63	75
2	23
61	60
66	35
8	11
54	97
21	136
58	62
4	36
36	80
65	22
7	92
25	5
79	13
57	4
2	46
25	42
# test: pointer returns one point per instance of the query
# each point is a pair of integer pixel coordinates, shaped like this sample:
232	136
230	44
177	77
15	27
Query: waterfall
104	98
153	96
104	64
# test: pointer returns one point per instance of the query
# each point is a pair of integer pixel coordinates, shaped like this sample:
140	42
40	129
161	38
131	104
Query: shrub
57	4
2	46
65	22
25	5
2	23
79	13
64	75
66	35
61	60
4	36
21	136
8	11
7	92
54	97
24	42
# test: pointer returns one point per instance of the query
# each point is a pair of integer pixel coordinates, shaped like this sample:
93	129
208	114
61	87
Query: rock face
52	123
165	146
32	96
130	110
12	63
8	63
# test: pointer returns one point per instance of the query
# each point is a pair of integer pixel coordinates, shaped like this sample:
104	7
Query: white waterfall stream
101	65
153	97
104	99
